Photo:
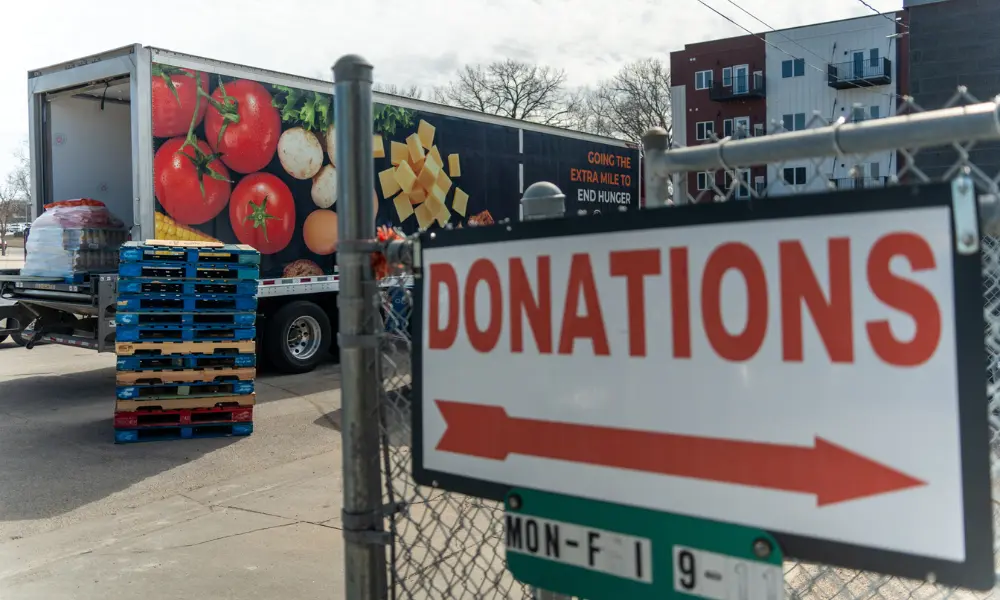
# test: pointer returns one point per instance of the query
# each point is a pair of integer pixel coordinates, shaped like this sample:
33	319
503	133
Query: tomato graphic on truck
242	125
262	213
190	183
176	100
238	160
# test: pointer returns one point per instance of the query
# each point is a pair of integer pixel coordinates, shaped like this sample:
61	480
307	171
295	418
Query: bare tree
513	89
634	100
15	192
412	91
20	177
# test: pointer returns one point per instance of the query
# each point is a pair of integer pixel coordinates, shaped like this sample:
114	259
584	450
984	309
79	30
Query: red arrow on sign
830	472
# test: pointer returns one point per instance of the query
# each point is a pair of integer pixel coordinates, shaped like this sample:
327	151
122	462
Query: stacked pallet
185	340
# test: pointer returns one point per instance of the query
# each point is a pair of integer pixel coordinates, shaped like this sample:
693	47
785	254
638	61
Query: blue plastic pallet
192	271
168	391
182	333
195	319
184	303
171	362
226	254
168	286
150	434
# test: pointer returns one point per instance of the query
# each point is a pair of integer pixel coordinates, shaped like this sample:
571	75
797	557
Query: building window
727	77
758	129
705	181
874	111
873	56
702	80
794	122
795	67
704	130
741	127
795	175
739	190
727	128
858	114
873	170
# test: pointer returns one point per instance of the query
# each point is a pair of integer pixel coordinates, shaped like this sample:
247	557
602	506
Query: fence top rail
971	123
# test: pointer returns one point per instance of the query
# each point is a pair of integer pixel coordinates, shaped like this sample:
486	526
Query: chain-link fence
449	546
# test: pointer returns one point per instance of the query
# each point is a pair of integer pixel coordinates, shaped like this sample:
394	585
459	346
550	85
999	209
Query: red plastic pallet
189	416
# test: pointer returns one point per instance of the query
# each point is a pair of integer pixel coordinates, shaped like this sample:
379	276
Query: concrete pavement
247	518
269	534
13	260
82	518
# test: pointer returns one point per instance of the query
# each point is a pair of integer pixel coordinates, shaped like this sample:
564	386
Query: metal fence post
364	554
543	200
656	142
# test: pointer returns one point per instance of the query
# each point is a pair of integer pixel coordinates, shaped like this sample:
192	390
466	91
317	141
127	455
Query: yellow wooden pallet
183	403
184	376
132	348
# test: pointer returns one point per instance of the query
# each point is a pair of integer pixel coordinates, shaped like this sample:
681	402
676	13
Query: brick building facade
719	87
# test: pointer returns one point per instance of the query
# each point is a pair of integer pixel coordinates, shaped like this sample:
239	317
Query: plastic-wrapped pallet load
73	237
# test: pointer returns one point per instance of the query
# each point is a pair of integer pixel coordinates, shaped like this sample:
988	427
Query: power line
756	18
761	21
882	14
786	53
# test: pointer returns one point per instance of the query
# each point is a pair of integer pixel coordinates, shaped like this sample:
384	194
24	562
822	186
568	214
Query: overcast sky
409	42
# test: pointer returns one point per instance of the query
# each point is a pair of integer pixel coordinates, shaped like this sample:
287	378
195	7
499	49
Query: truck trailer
181	147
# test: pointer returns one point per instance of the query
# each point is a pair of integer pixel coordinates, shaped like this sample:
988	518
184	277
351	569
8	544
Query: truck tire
298	336
17	337
22	340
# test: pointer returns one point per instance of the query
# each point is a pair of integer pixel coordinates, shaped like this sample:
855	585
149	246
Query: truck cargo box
182	147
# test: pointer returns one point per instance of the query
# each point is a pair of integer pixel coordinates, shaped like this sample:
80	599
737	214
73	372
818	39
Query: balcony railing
858	183
859	73
743	87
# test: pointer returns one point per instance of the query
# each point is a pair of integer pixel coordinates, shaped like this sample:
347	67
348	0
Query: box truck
187	148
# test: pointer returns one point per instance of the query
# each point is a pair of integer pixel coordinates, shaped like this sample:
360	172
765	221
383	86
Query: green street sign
597	550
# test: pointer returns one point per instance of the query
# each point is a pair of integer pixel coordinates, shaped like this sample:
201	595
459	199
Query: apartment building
719	91
788	80
819	73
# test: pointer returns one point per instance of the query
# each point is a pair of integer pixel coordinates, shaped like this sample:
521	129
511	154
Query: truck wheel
18	338
22	340
297	337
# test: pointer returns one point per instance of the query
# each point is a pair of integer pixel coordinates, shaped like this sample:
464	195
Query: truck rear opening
86	139
82	146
